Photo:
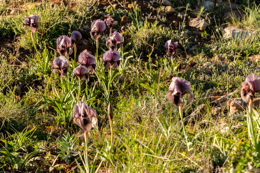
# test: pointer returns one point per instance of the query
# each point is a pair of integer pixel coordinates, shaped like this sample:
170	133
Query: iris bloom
81	72
88	60
171	47
85	117
111	59
249	87
178	88
60	66
113	40
75	37
109	22
33	22
97	28
63	44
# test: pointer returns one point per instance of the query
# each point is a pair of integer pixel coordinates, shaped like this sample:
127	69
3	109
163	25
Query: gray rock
166	3
207	64
208	5
169	10
198	23
232	32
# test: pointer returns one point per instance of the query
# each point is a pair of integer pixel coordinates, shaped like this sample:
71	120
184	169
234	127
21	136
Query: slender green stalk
61	81
34	45
75	52
110	122
172	59
109	111
79	92
86	144
183	126
111	30
250	105
97	46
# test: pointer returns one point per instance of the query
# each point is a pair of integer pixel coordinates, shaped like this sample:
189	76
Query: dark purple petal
252	82
86	59
118	37
84	116
63	43
111	56
180	85
33	22
60	64
80	72
246	95
75	36
109	21
98	25
175	98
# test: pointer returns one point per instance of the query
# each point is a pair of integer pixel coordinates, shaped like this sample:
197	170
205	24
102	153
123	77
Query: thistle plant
249	87
109	22
178	88
81	72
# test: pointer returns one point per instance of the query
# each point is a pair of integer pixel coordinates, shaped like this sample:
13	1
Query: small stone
124	20
169	10
114	6
208	5
216	111
115	23
255	58
130	6
14	11
166	3
175	23
193	48
232	32
199	23
207	64
236	105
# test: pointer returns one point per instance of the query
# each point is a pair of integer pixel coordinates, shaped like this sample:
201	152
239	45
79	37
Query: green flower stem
110	108
183	126
250	105
111	30
79	92
75	52
97	46
34	45
110	123
86	145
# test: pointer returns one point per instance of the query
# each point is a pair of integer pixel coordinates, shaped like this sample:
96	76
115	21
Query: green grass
37	132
